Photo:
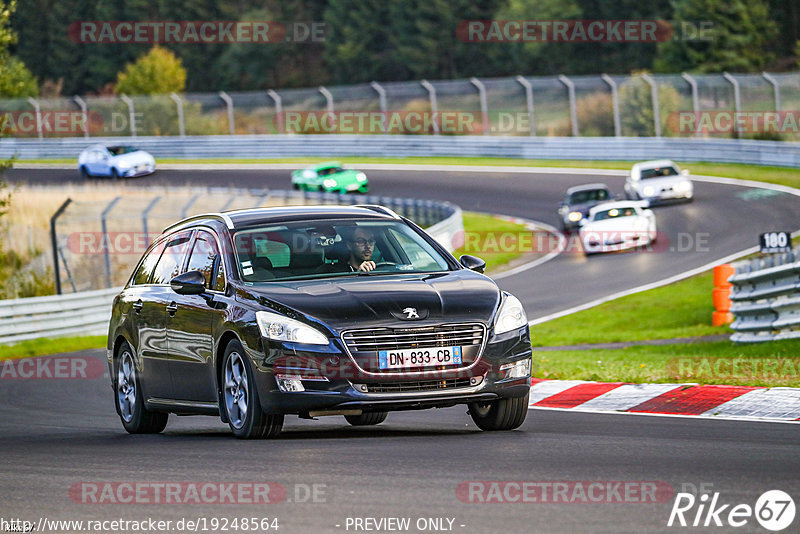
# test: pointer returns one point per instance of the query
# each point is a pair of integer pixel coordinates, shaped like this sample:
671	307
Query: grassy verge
777	175
762	364
484	224
682	309
42	347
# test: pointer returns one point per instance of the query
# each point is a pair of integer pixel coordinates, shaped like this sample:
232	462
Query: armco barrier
775	153
766	298
88	312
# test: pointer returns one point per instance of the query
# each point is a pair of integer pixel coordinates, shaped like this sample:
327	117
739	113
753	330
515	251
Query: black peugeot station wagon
250	315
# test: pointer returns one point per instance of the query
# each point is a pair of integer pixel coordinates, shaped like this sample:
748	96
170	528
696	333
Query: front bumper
331	389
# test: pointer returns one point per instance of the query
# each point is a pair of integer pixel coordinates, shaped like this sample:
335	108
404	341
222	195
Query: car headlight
361	177
510	316
649	191
575	216
329	183
124	165
518	369
685	186
280	328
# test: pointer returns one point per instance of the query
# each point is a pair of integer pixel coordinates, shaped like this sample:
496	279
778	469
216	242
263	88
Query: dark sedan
355	311
578	201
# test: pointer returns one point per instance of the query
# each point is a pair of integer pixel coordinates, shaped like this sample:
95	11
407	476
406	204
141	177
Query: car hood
379	300
619	224
133	158
660	183
348	175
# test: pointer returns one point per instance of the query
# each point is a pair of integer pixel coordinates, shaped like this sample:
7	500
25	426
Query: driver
361	244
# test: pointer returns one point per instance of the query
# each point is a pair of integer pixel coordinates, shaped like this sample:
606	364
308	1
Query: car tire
129	399
367	419
114	174
239	398
502	414
85	173
296	187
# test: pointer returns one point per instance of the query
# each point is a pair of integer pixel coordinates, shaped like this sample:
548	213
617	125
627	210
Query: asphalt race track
58	435
722	220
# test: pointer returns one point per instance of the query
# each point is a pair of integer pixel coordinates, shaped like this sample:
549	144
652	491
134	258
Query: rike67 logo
774	510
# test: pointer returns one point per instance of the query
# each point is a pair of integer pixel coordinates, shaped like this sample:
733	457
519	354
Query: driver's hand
366	266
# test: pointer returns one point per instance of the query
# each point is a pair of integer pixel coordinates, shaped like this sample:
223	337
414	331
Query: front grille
419	385
463	335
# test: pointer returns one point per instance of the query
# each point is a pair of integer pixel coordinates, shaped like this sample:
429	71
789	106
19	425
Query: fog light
476	381
361	387
289	383
519	369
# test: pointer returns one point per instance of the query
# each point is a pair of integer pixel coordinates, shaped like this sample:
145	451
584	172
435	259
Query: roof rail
221	216
378	209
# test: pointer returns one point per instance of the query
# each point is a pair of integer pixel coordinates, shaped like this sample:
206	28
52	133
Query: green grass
682	309
44	346
775	363
482	226
777	175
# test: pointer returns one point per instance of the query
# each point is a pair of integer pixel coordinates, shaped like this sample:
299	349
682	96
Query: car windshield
659	172
319	249
329	170
120	150
592	195
614	213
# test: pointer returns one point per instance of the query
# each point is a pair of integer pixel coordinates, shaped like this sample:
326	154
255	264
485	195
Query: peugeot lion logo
411	313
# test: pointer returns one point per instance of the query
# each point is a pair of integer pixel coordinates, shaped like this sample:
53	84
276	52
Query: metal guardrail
773	153
766	298
88	312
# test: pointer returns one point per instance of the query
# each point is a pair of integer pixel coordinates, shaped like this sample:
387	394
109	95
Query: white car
657	181
614	226
115	161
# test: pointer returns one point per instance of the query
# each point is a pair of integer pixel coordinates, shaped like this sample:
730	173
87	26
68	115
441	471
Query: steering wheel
384	264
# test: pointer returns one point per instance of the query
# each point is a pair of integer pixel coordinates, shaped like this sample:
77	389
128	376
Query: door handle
138	305
172	308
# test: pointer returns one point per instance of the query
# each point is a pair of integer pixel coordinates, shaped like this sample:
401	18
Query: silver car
115	162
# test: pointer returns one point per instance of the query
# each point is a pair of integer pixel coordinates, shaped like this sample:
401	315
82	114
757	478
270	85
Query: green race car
330	177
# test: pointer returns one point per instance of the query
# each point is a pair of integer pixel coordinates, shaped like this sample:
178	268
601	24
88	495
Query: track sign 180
772	242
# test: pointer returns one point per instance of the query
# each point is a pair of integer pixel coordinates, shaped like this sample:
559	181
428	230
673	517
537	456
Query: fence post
54	242
131	114
573	105
104	242
35	103
181	125
229	105
614	103
656	108
695	100
484	105
737	101
776	89
278	109
529	102
145	214
78	100
188	205
434	106
381	102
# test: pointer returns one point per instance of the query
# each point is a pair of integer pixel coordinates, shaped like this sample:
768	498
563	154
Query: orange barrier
721	295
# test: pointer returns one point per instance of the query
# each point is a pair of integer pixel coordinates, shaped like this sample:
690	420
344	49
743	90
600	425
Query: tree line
366	40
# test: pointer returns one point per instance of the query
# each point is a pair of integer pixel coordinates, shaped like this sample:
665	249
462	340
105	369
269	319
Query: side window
169	266
147	266
204	257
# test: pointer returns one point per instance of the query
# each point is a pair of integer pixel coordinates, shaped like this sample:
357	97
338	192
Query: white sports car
657	181
115	161
616	226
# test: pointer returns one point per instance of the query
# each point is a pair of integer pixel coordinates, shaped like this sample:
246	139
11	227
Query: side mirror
191	283
472	263
684	172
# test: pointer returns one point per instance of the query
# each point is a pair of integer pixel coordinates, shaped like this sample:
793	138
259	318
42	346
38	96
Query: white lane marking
548	388
627	396
562	242
673	415
773	403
